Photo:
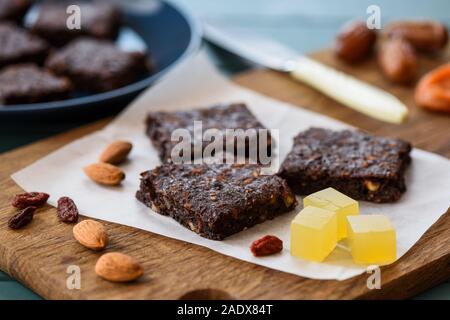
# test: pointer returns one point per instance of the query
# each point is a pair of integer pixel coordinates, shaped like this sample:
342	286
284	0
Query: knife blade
338	85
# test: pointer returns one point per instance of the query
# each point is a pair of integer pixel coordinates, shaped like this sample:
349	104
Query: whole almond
105	173
118	267
116	152
91	234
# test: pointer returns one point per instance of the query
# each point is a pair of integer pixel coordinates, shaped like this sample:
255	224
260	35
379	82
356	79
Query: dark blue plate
169	34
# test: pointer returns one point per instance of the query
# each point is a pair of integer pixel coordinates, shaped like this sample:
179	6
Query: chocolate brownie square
27	83
14	10
97	19
161	125
17	45
363	166
215	201
95	65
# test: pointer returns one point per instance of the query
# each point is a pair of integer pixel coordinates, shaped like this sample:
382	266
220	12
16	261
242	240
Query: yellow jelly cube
333	200
372	239
313	234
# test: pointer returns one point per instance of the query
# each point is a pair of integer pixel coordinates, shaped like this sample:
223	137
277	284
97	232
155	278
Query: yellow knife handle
350	91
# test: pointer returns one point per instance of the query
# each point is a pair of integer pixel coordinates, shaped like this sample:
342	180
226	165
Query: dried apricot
433	90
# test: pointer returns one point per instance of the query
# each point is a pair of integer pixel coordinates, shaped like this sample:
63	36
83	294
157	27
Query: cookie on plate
95	65
17	46
14	10
97	19
26	83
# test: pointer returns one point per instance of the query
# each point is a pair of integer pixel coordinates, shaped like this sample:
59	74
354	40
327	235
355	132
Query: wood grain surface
40	254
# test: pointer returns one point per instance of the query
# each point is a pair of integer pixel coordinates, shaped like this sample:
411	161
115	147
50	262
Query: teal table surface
305	25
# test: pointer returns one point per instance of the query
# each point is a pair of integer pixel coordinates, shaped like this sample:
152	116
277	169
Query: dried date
22	218
424	35
355	42
398	60
23	200
266	246
67	210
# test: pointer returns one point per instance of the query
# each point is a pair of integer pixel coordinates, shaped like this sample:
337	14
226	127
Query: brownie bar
215	201
17	46
28	84
363	166
13	10
95	65
160	126
98	19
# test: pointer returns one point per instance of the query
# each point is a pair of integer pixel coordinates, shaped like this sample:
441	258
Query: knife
338	85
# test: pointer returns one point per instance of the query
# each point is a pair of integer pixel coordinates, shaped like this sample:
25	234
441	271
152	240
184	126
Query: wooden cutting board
40	254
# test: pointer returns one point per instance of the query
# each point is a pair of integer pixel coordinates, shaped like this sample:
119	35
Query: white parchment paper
195	82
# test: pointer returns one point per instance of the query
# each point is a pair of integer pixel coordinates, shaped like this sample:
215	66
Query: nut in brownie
17	46
97	19
363	166
95	65
215	201
27	83
235	116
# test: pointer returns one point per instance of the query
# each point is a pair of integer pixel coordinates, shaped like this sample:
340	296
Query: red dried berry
266	246
67	210
23	200
22	218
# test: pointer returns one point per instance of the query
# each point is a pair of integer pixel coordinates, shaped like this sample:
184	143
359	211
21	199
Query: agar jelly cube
333	200
372	239
313	234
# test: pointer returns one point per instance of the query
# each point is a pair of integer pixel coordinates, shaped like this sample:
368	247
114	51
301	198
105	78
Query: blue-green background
305	25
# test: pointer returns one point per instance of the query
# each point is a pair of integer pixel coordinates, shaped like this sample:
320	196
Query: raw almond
116	152
105	173
118	267
91	234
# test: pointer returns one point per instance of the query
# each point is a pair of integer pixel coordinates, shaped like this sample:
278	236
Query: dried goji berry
23	200
67	210
22	218
266	246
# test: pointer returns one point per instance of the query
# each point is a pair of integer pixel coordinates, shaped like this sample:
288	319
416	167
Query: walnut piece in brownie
98	19
16	46
363	166
13	10
215	201
27	83
160	126
95	65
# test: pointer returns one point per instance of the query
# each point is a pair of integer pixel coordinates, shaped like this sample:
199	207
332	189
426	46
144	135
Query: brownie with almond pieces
217	200
234	116
358	164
